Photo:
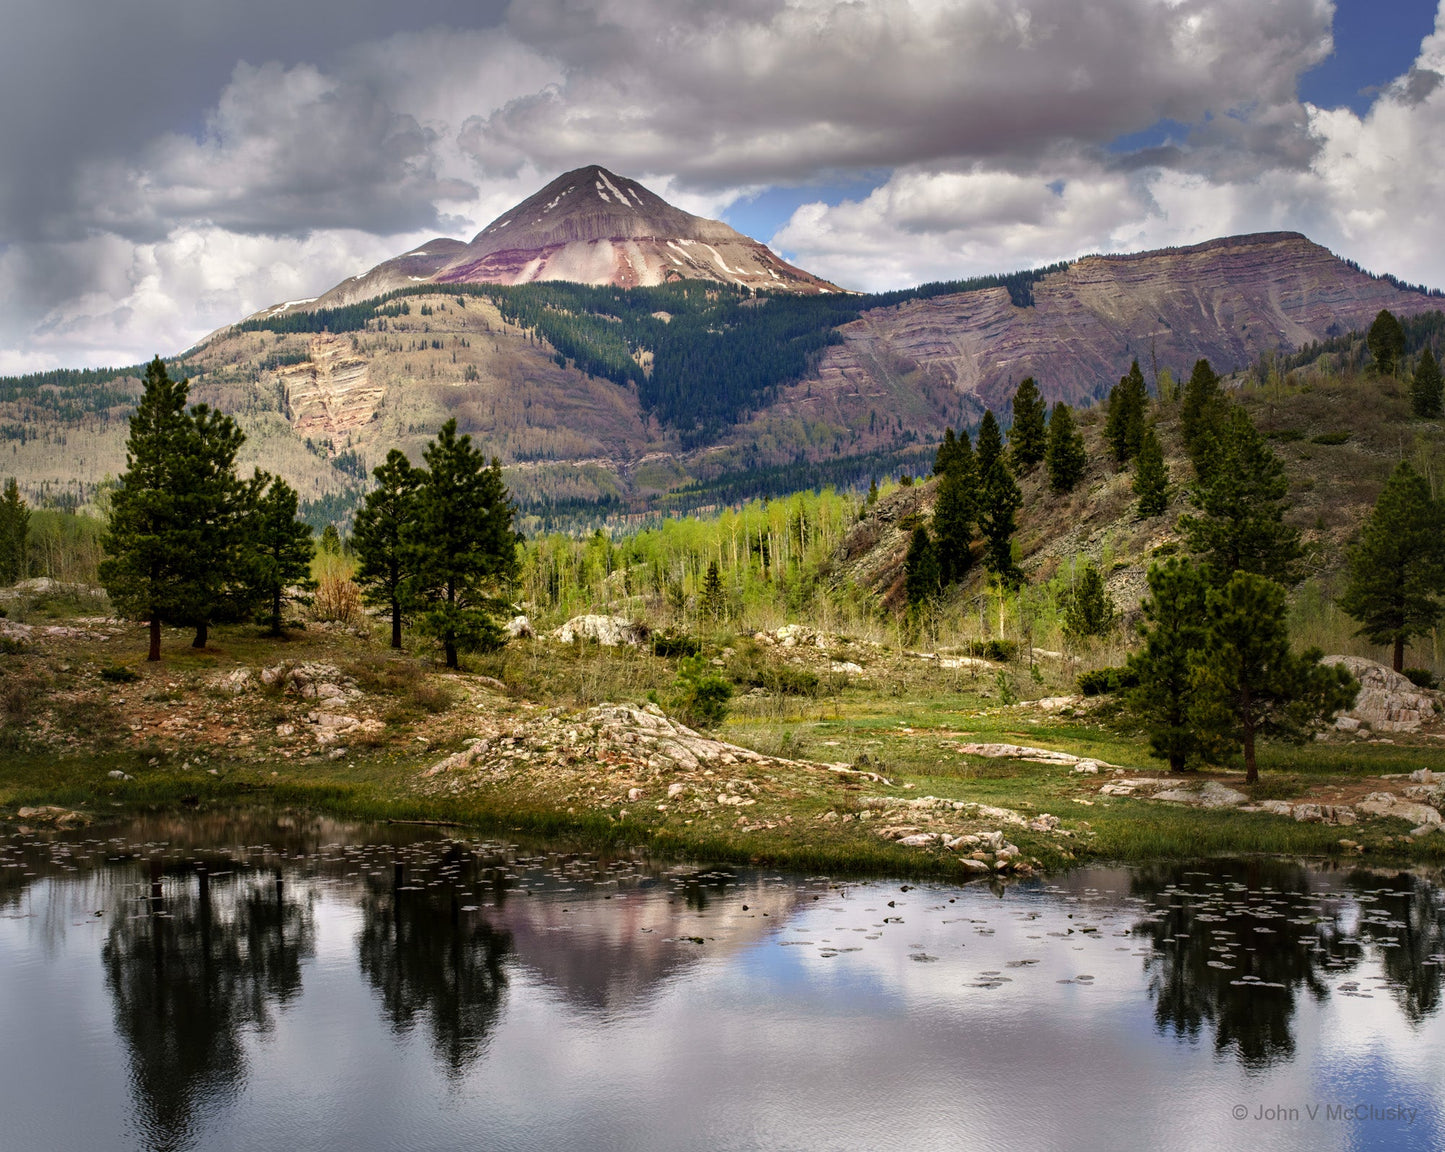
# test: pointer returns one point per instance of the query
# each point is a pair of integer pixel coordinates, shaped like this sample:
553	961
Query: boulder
609	631
1388	702
519	628
1388	804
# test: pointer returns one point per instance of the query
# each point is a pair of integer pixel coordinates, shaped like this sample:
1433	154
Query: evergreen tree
378	535
1088	608
1386	340
1427	388
220	505
921	580
1027	437
998	504
330	542
14	534
1151	475
1241	501
1247	681
714	600
279	551
953	517
988	445
462	545
151	536
1396	587
1202	415
1173	638
1065	458
947	453
872	492
1124	424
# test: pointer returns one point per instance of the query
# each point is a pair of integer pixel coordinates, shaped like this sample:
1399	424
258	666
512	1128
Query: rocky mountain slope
607	403
588	226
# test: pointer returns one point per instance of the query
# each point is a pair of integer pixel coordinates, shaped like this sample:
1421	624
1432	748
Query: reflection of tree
427	958
187	970
1236	953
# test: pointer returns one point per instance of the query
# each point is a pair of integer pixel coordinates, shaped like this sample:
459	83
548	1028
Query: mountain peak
590	226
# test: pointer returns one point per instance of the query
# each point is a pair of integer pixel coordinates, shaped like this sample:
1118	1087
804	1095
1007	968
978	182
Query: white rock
1387	702
519	628
608	631
919	840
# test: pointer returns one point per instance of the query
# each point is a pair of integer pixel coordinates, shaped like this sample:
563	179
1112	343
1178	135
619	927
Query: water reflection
428	959
192	962
1234	948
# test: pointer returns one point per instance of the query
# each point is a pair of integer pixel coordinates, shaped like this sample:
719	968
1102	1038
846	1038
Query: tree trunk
155	651
1251	769
395	624
451	648
203	631
276	613
1399	662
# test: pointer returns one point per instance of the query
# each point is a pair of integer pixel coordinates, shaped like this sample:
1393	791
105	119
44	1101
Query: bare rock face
1226	301
609	631
1387	702
590	226
331	391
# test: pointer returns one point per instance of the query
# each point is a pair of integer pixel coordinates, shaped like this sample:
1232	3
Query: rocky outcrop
332	391
1387	701
1227	301
609	631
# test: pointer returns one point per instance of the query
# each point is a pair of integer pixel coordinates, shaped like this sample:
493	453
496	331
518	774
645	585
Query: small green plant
1330	438
1422	678
11	646
702	695
1285	435
671	645
1004	685
1107	681
119	674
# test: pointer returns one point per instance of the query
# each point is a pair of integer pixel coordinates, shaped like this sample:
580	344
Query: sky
169	166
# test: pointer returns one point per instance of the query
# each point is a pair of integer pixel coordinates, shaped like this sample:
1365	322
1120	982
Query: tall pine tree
1241	503
921	577
1202	415
1065	458
988	447
998	506
378	535
151	537
1386	341
14	534
1124	423
1174	636
953	518
1427	389
220	519
1151	475
463	546
1396	587
279	551
1027	437
947	454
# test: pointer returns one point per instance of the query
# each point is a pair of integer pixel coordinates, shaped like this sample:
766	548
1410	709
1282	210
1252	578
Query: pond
220	982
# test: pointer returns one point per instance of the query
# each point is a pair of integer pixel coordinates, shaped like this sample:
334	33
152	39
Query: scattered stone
50	814
1388	804
1034	755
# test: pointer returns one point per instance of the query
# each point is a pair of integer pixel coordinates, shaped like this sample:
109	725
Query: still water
219	983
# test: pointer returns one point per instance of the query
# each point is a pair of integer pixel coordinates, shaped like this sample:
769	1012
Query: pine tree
462	544
1027	437
953	518
151	537
1248	682
1124	424
872	493
1088	608
14	534
1427	389
947	453
1396	586
1202	415
1386	340
921	580
330	542
279	551
998	504
1065	458
1173	638
1151	475
988	447
714	600
220	508
378	535
1241	502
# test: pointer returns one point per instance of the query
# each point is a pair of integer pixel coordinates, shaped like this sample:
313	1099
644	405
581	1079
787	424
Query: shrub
1107	681
702	695
673	645
1330	438
1422	678
337	598
1285	435
1000	651
119	674
11	646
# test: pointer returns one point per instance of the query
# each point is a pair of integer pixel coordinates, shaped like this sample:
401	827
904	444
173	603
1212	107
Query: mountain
588	226
607	400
